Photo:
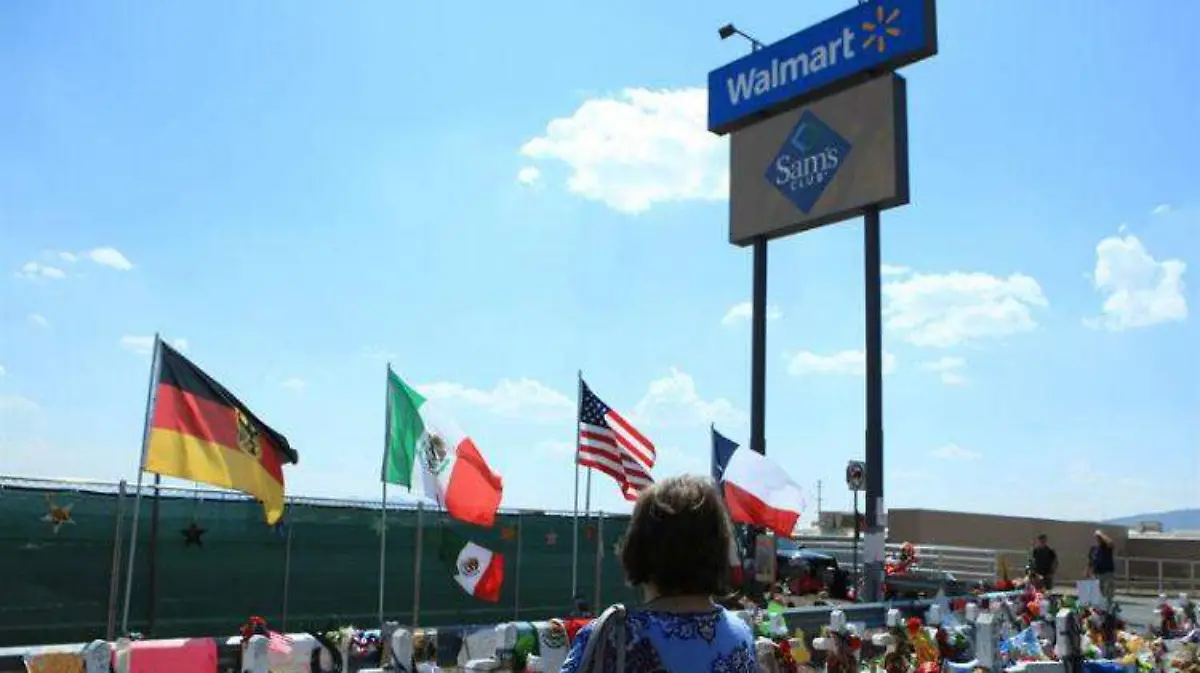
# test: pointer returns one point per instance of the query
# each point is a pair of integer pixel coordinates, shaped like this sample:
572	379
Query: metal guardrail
964	563
1134	575
1155	575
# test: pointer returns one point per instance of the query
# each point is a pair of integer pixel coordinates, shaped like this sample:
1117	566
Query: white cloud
3	371
673	460
638	149
1083	472
15	404
144	345
944	310
294	384
32	270
104	256
674	401
848	362
522	398
948	368
1161	209
1139	290
110	257
39	320
743	312
378	354
954	452
893	270
556	447
529	176
668	401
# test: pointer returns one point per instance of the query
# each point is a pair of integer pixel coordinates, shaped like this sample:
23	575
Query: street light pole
758	349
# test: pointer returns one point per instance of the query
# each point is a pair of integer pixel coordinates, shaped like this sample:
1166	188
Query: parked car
808	571
917	581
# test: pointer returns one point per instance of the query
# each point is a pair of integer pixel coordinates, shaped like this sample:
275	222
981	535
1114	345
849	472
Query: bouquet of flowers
254	626
905	560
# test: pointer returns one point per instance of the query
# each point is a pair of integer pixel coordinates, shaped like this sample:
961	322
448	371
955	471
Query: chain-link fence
205	561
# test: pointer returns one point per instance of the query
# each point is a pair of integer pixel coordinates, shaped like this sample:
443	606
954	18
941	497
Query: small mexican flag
479	571
426	452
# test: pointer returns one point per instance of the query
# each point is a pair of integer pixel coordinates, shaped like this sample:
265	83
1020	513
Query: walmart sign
871	39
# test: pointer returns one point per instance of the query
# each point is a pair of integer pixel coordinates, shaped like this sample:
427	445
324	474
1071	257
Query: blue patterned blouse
670	642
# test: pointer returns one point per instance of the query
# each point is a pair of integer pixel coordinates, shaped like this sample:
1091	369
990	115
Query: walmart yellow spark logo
879	30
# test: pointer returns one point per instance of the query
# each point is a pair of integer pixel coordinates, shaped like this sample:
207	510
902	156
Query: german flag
201	432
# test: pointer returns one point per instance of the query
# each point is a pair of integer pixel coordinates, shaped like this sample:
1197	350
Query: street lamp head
727	31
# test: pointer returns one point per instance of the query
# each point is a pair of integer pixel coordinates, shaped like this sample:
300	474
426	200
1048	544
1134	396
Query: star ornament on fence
192	535
508	533
551	539
57	515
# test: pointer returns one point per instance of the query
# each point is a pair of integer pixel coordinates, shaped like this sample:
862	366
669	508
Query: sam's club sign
857	44
809	159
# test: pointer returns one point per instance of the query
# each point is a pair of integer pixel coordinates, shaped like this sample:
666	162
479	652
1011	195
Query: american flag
608	443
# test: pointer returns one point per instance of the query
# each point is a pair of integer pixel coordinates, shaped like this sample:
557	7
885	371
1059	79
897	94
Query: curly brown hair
679	538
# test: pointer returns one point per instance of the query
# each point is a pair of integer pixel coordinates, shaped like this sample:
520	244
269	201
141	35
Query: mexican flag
426	452
479	571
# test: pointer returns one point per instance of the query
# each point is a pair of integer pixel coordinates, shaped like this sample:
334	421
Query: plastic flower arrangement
1186	659
904	561
254	626
898	655
841	647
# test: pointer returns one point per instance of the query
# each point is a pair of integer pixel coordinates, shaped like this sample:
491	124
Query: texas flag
758	492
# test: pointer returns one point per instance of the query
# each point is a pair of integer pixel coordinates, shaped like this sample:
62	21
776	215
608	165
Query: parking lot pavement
1138	611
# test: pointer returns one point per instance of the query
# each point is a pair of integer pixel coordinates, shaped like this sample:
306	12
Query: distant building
837	523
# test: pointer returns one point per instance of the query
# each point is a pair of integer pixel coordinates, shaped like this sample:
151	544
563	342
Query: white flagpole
417	563
151	397
287	570
517	572
382	550
599	558
387	433
575	524
587	498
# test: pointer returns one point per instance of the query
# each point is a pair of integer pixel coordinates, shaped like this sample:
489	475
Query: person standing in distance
1043	563
1102	564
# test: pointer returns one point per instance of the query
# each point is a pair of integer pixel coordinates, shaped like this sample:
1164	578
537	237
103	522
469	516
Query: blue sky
494	198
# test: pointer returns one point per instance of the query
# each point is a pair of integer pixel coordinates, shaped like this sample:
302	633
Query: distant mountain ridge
1176	519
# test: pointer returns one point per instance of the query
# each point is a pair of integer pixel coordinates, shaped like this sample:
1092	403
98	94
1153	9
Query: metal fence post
1160	575
517	574
287	572
599	562
114	579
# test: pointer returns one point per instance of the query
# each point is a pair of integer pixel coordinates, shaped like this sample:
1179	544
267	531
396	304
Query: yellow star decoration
54	662
880	30
57	514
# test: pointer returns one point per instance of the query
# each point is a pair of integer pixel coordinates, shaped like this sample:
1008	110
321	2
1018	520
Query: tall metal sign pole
758	350
819	135
873	568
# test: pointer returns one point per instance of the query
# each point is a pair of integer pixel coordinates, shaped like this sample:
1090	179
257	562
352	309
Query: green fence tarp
321	566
